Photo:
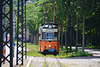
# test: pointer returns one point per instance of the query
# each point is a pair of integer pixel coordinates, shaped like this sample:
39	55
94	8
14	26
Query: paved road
95	52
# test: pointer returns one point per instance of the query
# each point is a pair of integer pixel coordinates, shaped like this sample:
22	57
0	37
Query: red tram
49	38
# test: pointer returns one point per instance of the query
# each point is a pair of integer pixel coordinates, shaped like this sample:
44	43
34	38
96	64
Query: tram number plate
51	50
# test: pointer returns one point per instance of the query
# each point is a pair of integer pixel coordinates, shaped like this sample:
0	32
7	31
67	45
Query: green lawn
33	50
92	47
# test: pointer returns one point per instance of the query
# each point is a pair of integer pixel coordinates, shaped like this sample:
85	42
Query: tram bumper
47	51
51	50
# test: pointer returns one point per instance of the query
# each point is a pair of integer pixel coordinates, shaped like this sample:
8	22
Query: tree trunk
83	40
87	40
69	21
61	35
76	33
70	35
91	38
66	37
96	39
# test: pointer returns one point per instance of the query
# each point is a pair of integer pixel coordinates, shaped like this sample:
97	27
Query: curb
28	64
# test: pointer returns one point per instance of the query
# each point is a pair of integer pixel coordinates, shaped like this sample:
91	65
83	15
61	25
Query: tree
89	8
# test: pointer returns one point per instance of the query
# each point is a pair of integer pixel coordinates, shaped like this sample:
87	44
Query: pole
20	24
14	26
4	34
25	33
11	33
22	30
17	31
1	35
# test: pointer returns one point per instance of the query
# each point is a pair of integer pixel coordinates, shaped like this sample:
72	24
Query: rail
55	58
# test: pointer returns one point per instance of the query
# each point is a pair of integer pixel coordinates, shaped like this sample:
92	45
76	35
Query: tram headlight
49	45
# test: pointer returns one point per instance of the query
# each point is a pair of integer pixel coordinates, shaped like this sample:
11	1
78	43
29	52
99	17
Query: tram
49	38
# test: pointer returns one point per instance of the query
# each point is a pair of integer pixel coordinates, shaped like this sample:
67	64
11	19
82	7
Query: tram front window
48	35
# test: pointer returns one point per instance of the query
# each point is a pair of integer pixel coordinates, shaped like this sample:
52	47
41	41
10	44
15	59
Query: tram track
45	62
56	60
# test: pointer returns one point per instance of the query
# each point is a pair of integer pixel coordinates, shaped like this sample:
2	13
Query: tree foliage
89	8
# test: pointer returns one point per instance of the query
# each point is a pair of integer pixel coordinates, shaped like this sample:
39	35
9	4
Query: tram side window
48	35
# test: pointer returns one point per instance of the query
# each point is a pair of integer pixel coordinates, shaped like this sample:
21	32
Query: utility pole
48	10
4	29
14	26
25	33
4	35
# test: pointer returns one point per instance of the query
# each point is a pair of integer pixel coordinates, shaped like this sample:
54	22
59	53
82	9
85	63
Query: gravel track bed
66	62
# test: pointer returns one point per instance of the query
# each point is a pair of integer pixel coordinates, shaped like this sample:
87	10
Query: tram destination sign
50	30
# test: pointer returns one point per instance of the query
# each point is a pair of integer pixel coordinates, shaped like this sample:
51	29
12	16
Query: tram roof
49	25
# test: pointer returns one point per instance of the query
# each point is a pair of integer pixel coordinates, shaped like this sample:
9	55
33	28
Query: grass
92	47
33	50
